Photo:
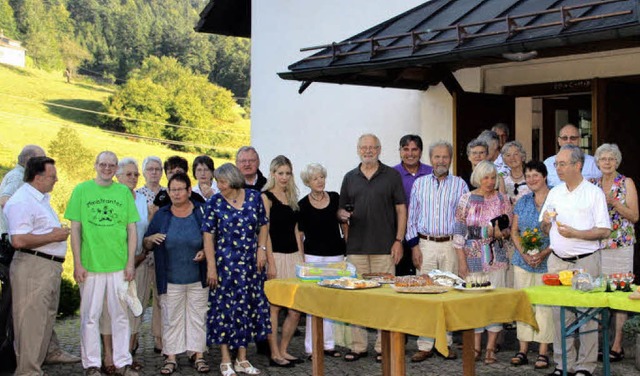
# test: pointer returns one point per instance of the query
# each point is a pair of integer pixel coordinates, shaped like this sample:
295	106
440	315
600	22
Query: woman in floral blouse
617	252
478	244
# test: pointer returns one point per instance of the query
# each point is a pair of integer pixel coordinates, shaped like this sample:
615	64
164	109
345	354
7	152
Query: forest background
142	82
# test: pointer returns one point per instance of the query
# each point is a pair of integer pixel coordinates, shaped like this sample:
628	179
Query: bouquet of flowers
531	241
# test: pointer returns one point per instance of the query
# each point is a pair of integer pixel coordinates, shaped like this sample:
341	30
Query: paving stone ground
68	332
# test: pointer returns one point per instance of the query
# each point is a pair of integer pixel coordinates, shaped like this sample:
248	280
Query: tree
72	158
7	20
164	91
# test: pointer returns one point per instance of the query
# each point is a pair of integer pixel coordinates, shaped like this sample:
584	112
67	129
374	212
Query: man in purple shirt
410	168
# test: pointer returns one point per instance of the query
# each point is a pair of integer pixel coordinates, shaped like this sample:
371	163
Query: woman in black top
320	232
284	250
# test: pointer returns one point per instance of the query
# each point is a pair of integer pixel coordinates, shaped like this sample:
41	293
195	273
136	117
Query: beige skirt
286	264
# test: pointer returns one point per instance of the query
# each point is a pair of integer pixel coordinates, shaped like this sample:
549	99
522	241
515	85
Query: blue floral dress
239	309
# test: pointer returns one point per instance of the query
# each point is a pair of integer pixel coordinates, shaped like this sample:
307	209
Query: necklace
317	199
235	199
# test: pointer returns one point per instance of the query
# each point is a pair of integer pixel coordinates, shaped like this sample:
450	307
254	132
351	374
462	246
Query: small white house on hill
12	52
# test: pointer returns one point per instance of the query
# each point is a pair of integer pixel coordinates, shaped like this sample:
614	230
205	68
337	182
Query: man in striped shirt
432	210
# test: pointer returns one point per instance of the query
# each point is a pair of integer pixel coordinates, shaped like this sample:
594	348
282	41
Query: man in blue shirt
410	168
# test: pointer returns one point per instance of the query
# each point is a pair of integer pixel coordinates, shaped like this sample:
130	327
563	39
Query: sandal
169	367
519	359
201	365
477	354
226	369
108	370
136	366
378	358
353	356
616	356
490	357
542	361
245	367
332	353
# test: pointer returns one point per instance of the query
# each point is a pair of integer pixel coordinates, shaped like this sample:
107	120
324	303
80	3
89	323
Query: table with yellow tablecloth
429	315
597	304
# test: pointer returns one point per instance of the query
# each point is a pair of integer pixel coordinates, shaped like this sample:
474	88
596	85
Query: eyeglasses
516	186
607	159
474	153
562	164
153	169
566	138
247	161
177	190
106	165
369	148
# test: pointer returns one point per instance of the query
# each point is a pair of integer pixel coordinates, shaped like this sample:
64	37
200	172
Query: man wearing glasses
570	135
103	219
372	202
576	217
248	162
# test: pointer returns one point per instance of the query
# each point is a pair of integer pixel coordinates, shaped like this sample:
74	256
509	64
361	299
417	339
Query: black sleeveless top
321	228
282	224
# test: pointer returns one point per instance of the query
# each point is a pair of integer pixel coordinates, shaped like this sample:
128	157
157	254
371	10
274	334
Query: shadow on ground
72	110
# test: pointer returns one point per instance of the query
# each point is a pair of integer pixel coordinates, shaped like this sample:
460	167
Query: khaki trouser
35	287
368	264
441	256
587	356
544	314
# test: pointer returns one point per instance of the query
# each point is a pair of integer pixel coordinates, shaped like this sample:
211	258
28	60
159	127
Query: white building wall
323	124
12	56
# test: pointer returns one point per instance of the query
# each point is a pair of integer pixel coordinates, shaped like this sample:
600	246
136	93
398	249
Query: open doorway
557	111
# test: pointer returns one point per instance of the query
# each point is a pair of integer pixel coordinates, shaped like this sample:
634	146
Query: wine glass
551	212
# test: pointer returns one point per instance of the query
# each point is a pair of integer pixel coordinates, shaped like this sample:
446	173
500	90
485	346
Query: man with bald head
13	179
570	135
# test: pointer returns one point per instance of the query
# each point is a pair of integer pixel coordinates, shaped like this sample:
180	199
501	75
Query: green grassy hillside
35	105
31	113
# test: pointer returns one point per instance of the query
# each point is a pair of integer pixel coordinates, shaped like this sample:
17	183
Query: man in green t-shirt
103	240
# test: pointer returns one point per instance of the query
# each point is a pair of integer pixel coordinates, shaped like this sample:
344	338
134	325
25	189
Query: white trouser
327	326
184	315
92	292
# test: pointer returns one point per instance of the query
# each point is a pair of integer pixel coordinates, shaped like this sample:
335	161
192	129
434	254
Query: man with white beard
432	212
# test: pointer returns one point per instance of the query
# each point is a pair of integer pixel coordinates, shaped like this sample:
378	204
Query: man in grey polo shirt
372	202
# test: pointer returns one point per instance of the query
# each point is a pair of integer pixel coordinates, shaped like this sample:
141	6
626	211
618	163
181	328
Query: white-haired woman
514	156
479	244
280	198
622	201
322	239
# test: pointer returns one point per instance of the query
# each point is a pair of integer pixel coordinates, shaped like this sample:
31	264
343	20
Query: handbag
6	250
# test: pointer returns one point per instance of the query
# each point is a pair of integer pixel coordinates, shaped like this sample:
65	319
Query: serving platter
474	289
353	284
430	289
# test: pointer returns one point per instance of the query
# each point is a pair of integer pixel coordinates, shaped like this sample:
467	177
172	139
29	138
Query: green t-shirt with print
104	212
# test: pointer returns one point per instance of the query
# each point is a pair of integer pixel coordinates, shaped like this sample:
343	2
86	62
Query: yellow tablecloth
568	297
429	315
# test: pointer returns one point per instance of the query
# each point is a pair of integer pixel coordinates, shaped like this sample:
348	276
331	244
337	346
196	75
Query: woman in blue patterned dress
235	237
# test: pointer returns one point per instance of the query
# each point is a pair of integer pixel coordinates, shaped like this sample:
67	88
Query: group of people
206	248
